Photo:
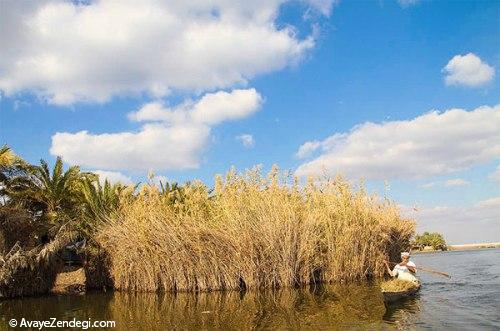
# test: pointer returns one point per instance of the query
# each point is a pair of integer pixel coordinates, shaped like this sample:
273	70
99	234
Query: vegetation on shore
250	231
434	240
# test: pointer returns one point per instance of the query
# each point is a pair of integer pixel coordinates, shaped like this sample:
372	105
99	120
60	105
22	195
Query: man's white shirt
402	272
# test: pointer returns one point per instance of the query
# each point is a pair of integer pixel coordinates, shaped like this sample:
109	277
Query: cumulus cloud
171	138
247	140
495	175
113	177
477	223
431	144
456	182
468	70
211	109
67	51
307	148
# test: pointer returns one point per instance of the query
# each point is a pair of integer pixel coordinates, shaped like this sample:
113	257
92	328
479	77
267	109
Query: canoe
396	296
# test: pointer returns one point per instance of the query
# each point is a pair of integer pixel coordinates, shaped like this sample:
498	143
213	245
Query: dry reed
397	285
251	232
32	272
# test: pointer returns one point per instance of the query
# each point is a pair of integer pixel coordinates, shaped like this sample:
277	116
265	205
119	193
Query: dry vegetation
397	285
32	272
251	232
69	281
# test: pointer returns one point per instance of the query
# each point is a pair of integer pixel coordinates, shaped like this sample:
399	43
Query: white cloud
307	149
456	182
477	223
490	203
322	6
211	109
407	3
495	175
247	140
217	107
172	138
113	177
431	144
428	185
468	70
68	52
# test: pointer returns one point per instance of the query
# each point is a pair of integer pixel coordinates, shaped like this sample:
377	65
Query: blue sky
305	71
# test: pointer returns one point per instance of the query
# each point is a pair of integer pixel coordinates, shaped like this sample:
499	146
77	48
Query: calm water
469	301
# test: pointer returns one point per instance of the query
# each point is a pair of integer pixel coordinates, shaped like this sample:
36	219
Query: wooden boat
396	296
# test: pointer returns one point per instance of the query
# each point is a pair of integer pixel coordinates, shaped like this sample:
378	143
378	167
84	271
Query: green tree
99	201
434	239
54	196
6	156
10	163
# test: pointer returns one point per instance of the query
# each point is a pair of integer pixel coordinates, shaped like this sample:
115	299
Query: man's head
405	256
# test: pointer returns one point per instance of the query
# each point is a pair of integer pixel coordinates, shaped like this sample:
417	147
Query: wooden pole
429	270
434	272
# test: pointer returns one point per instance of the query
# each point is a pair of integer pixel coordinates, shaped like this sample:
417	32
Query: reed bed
251	232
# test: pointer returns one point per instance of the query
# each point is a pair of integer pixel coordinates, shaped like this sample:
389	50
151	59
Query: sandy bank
462	247
474	246
71	281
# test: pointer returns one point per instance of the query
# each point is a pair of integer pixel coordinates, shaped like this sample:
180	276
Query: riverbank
70	281
474	246
462	247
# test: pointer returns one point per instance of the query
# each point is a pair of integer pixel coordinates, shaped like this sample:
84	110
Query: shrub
434	239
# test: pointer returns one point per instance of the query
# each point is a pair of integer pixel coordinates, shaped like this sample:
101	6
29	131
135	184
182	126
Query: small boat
396	296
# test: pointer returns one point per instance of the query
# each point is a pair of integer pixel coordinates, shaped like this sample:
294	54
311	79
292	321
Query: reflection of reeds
282	309
348	306
252	232
93	306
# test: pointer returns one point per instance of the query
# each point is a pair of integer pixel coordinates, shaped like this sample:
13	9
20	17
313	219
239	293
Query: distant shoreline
462	247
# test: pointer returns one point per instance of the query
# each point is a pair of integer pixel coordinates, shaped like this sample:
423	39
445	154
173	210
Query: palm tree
11	165
6	156
173	192
99	201
8	160
54	195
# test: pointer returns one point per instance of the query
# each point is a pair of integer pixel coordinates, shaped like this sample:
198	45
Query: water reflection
311	308
354	306
403	313
468	301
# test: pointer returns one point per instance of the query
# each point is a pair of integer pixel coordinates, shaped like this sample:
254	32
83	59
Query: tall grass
251	232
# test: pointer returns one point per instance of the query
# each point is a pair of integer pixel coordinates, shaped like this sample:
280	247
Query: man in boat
404	270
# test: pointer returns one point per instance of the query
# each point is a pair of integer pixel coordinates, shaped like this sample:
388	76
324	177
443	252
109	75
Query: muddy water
469	301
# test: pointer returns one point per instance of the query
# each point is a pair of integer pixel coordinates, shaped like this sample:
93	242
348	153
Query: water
469	301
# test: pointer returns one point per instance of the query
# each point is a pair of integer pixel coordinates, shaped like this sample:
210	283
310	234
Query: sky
402	94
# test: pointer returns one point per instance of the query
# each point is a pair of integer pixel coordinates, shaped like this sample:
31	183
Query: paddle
434	272
429	270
